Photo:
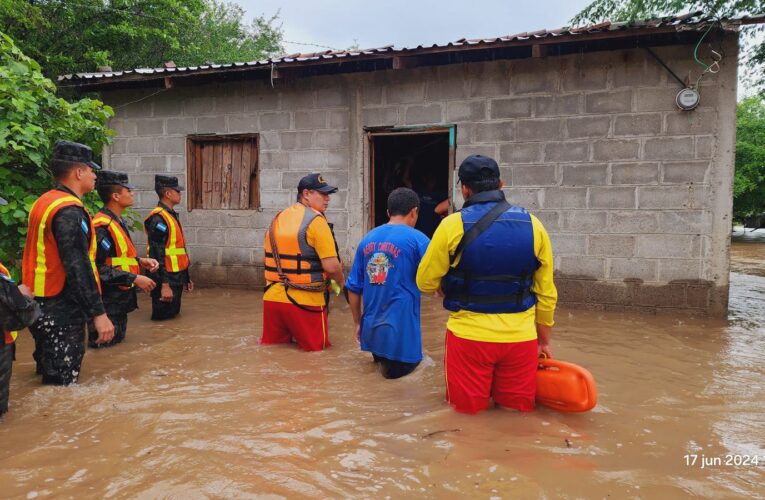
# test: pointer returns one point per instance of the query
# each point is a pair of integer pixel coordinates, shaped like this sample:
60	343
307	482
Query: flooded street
195	408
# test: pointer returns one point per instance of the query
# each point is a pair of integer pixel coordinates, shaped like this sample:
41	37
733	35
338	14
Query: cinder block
656	99
587	126
445	89
488	84
693	122
199	106
538	130
584	175
235	255
584	75
261	99
167	107
296	140
339	119
140	109
371	95
534	175
664	197
308	161
679	269
205	255
181	126
638	124
210	236
494	131
510	108
140	145
568	151
568	244
127	164
559	105
337	159
330	138
275	121
269	140
520	152
632	222
271	180
229	103
560	197
154	164
277	199
276	160
331	97
124	128
617	149
612	197
240	123
636	70
685	222
212	125
550	219
640	269
310	119
667	246
685	172
209	275
408	93
203	218
635	173
374	117
532	82
298	98
463	151
171	145
585	267
611	245
336	178
524	197
583	221
431	113
613	101
704	146
457	111
119	146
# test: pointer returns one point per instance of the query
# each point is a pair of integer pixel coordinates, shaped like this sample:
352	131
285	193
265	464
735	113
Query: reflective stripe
42	265
176	242
126	258
123	262
10	336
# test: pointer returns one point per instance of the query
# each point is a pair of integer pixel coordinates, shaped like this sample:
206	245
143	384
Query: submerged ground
195	408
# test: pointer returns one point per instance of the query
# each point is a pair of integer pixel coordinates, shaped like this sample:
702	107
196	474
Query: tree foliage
749	184
32	118
79	36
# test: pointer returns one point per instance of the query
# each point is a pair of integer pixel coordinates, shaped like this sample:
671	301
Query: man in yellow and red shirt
493	262
300	259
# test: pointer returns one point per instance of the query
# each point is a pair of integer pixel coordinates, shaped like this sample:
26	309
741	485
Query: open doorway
421	159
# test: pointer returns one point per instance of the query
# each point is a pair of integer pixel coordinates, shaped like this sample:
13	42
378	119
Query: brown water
195	408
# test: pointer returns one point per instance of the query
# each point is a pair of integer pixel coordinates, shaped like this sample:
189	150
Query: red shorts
283	322
477	370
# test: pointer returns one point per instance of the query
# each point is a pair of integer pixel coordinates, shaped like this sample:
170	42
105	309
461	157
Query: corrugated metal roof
687	21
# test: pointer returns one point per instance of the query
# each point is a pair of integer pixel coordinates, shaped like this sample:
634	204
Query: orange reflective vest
42	268
9	336
176	258
127	256
299	260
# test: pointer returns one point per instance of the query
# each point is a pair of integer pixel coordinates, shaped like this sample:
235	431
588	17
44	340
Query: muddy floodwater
195	408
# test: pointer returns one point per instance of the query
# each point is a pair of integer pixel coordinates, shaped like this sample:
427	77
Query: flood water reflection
195	408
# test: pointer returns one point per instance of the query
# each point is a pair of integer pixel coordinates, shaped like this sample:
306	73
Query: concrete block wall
635	194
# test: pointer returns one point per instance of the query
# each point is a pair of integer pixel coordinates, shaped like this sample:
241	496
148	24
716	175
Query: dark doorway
421	160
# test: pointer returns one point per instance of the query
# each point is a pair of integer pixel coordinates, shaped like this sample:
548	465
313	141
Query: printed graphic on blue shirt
383	273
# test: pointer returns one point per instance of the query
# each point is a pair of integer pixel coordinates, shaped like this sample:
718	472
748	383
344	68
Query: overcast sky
342	23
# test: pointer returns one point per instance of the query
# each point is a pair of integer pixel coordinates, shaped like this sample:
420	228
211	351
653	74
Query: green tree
749	183
79	36
32	118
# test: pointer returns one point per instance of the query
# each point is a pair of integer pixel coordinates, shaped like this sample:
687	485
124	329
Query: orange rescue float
565	386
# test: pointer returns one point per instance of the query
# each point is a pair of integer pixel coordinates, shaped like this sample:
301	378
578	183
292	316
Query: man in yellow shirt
493	263
300	259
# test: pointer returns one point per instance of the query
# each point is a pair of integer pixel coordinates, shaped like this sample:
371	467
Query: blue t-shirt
383	273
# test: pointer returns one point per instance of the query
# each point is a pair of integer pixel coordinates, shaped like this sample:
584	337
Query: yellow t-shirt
503	327
319	236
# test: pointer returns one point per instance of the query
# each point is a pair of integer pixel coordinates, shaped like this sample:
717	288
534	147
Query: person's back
383	274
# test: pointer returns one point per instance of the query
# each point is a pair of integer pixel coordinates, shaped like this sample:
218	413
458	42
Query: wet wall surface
195	408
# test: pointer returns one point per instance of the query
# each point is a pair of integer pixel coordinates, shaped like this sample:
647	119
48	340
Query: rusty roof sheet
690	20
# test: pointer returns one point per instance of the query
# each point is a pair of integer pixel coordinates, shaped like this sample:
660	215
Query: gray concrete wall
635	194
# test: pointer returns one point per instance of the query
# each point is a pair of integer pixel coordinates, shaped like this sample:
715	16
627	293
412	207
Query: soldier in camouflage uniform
59	267
17	311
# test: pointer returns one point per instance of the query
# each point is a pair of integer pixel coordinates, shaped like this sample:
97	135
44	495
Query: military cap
75	153
109	178
478	167
315	182
166	181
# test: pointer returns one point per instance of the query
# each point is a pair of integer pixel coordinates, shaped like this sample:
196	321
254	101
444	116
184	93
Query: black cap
75	153
315	182
2	201
109	178
478	167
166	181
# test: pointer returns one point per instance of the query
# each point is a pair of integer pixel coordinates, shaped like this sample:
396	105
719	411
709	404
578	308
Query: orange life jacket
127	256
9	336
299	260
176	258
42	268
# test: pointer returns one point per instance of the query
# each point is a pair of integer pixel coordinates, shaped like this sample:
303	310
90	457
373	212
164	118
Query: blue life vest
496	270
